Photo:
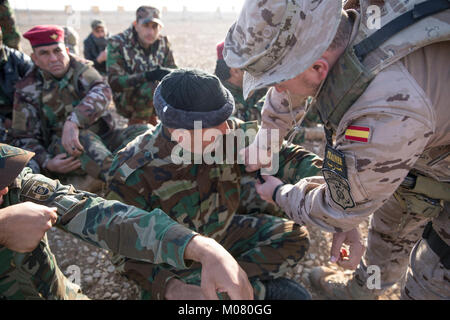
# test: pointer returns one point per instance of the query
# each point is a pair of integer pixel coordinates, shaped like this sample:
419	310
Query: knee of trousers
296	241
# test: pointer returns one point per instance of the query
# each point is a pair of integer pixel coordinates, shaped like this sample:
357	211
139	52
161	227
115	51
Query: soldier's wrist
2	228
74	119
275	191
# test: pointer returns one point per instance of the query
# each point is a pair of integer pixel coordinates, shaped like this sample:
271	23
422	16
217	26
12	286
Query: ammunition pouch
422	195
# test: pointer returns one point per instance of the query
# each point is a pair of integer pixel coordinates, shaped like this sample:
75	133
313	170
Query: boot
335	286
285	289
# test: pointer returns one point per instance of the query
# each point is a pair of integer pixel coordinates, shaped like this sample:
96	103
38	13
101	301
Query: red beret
45	35
219	48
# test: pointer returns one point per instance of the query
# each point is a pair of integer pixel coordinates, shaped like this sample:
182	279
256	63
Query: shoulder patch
335	174
38	189
339	189
358	133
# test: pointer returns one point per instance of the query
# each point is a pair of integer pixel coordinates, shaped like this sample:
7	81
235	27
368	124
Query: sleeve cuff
177	239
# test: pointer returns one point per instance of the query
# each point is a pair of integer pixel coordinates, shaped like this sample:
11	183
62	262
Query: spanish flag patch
356	133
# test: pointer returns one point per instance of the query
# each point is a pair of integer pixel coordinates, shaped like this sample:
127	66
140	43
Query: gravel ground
100	281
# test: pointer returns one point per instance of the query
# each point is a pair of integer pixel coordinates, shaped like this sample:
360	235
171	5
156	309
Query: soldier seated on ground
60	110
30	204
205	195
95	45
13	66
137	60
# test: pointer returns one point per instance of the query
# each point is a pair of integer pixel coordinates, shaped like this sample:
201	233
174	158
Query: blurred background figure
71	39
11	35
95	45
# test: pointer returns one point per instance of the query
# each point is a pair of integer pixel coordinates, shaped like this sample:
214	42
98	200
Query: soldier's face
3	192
53	59
147	32
306	83
99	32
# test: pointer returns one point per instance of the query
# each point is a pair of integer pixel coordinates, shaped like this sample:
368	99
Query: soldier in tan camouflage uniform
31	204
137	60
205	196
61	110
11	36
388	109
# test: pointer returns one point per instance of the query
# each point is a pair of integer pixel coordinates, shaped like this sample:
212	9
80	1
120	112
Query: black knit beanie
188	95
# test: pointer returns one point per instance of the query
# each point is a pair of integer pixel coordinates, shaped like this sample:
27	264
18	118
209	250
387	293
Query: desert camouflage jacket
42	104
203	197
250	109
126	65
132	232
399	124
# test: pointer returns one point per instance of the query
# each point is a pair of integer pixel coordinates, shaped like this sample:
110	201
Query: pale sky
106	5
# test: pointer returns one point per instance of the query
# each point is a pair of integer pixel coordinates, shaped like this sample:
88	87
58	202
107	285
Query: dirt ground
193	41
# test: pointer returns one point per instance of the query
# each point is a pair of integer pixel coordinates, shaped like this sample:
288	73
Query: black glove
157	74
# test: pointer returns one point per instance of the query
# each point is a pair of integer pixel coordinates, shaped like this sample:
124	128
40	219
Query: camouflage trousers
99	152
426	277
264	246
393	232
34	276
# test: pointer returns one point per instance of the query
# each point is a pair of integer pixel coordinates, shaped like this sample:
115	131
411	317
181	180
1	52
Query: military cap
276	40
146	14
45	35
12	161
98	23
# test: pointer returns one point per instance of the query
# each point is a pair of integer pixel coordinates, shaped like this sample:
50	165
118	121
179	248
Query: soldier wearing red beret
60	110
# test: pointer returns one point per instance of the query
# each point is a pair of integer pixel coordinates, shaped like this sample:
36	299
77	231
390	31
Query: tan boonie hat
97	23
12	161
276	40
146	14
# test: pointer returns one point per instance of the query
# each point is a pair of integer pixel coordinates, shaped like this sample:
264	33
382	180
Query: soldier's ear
321	68
68	51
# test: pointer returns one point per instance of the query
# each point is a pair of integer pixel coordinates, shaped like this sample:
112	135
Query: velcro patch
335	161
334	171
339	189
38	190
357	133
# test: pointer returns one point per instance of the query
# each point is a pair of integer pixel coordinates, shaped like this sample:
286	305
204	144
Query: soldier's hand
265	190
220	271
102	56
70	139
353	239
23	225
63	164
255	158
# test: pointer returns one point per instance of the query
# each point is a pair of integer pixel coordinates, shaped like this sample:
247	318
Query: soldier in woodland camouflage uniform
205	197
11	36
388	108
137	60
13	66
30	204
60	110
